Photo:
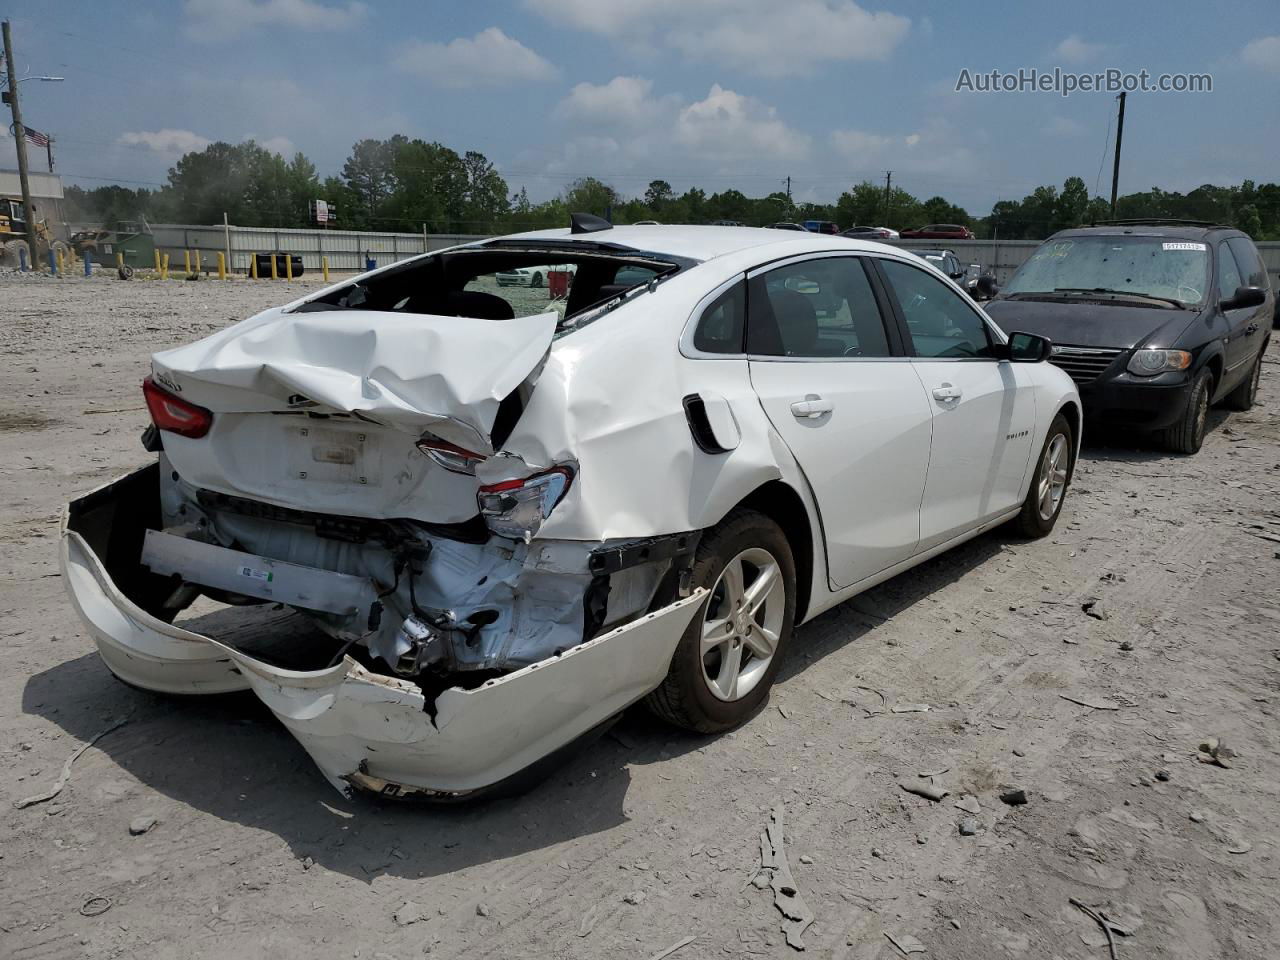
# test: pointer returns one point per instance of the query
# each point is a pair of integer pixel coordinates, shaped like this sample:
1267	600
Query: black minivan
1155	320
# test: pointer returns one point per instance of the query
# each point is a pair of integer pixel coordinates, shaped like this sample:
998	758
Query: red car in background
938	231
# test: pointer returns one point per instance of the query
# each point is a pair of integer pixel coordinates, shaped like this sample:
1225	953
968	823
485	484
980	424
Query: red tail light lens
516	508
449	455
175	414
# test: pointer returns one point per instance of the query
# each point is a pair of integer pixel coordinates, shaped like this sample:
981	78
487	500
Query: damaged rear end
333	522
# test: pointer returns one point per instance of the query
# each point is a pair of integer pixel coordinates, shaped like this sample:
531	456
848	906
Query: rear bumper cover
372	731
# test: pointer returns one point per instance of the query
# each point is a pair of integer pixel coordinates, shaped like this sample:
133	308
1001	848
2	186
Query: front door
983	407
848	405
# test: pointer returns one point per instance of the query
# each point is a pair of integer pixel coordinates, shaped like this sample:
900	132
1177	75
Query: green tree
589	195
657	195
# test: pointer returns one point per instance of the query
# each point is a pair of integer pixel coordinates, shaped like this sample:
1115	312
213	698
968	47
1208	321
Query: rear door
1249	325
983	408
1239	345
831	375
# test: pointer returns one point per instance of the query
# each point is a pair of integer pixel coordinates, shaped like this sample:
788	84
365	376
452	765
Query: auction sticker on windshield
1183	245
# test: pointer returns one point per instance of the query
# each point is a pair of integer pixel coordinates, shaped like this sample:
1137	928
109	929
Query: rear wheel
728	657
1187	435
535	280
1243	396
1049	485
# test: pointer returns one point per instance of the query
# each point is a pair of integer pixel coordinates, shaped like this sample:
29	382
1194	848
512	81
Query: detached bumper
363	729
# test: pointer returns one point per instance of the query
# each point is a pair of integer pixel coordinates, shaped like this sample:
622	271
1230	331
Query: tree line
403	184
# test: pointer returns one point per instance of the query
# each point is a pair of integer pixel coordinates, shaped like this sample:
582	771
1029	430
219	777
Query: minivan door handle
811	407
946	392
1250	330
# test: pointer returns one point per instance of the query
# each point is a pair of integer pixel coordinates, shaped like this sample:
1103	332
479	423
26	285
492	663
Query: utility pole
1115	171
20	142
888	195
788	191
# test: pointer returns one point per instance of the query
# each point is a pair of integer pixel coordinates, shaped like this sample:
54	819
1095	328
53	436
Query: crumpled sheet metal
353	721
401	369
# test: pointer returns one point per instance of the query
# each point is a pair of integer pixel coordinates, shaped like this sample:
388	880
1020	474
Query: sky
709	93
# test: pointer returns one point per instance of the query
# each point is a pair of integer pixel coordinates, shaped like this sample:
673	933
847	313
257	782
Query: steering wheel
1195	294
853	351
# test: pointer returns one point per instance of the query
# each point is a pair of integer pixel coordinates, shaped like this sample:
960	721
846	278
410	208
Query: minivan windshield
1162	267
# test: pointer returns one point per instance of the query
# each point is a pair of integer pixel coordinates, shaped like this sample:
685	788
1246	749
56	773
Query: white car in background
496	532
535	276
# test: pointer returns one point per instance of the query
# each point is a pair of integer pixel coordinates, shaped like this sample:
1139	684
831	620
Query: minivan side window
823	308
1255	274
720	328
1228	272
939	320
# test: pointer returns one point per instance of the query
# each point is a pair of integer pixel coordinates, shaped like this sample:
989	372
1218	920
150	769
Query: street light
45	79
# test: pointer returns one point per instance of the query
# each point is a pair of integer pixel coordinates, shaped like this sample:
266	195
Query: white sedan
492	533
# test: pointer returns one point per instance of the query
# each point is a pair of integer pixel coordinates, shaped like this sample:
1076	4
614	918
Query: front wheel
1048	489
535	280
1187	435
728	657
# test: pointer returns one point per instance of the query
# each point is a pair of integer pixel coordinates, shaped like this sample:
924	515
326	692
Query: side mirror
1029	348
987	286
1245	297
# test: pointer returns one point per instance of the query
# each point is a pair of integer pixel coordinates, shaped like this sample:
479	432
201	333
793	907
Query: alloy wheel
1053	477
742	623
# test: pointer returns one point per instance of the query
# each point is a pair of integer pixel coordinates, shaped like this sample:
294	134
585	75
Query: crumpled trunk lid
322	409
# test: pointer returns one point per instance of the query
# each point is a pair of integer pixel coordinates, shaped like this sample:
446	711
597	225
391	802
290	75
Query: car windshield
1162	267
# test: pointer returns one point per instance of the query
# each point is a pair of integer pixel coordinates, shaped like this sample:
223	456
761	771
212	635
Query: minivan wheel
1048	489
1187	435
728	657
1243	396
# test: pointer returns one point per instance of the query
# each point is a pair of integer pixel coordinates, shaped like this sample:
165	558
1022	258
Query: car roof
1182	231
697	242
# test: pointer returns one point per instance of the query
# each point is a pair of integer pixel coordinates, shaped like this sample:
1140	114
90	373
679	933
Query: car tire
1187	435
1048	490
535	280
1243	396
690	697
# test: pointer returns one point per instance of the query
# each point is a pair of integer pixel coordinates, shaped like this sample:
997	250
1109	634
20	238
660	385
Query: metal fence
349	250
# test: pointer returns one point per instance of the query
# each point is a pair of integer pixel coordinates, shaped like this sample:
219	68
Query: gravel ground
650	836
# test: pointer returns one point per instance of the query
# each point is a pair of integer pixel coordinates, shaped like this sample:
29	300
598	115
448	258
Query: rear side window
720	328
939	320
1228	272
822	308
1247	259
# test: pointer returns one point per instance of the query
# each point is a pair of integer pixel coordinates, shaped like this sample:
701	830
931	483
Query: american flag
36	137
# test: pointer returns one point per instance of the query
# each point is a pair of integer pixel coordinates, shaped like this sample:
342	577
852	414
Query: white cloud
1063	127
223	19
729	126
1263	53
1075	49
623	101
489	58
760	36
281	145
934	149
168	143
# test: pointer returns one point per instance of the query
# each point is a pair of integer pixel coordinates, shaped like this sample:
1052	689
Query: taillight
175	414
516	508
449	455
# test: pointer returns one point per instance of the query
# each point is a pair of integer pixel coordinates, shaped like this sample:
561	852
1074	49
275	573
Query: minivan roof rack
1158	221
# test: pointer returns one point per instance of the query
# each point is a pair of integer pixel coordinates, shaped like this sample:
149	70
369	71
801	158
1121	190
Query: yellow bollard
186	262
288	266
274	274
324	268
120	261
222	265
253	265
164	268
157	253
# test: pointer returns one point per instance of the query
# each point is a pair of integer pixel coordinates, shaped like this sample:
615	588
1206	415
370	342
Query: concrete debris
910	708
484	910
410	912
786	897
906	943
968	826
1197	817
927	790
140	825
1215	751
635	898
1095	609
968	805
663	954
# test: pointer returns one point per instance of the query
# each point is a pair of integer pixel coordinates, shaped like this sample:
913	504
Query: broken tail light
517	508
449	455
174	414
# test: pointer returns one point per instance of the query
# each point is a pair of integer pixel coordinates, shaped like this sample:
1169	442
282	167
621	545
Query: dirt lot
650	836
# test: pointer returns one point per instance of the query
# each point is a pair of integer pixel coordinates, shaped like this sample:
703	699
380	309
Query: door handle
1250	330
811	407
946	392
